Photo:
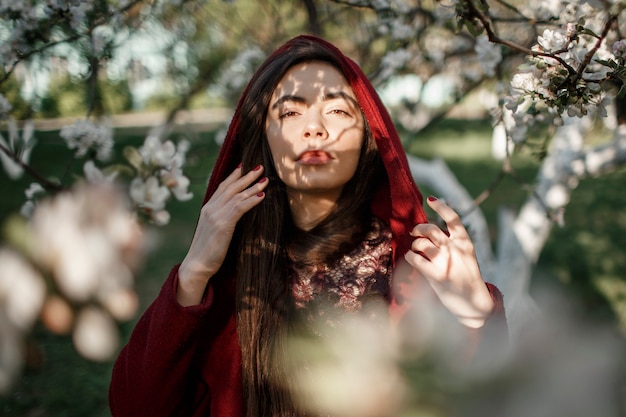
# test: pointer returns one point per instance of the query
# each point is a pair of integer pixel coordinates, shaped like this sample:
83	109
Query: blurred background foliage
67	98
201	45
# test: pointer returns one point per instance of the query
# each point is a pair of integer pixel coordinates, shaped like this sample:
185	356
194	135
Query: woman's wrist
192	284
477	321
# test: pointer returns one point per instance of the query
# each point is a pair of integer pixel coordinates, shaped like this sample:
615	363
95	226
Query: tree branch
45	183
512	45
70	39
314	24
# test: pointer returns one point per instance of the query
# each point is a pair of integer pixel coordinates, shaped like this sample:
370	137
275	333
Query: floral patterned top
361	276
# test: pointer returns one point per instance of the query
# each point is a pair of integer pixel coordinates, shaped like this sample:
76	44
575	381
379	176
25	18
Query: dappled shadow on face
315	131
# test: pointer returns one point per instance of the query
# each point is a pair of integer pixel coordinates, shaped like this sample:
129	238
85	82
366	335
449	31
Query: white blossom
22	289
402	31
161	217
78	11
553	40
393	61
489	55
98	40
95	336
445	10
149	194
33	190
86	137
525	82
238	73
86	238
619	48
95	176
157	153
543	10
27	208
176	181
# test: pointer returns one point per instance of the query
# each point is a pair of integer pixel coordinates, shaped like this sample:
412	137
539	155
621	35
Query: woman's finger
236	182
450	217
425	247
430	231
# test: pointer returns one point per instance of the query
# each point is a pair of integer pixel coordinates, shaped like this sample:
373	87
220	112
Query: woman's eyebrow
326	97
339	94
288	97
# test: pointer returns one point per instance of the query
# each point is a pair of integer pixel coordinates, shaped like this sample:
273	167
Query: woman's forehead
312	79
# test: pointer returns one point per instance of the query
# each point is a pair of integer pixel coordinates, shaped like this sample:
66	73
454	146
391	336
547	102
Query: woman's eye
339	112
286	114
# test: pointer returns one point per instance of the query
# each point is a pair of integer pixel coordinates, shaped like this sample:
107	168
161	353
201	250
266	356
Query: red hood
399	203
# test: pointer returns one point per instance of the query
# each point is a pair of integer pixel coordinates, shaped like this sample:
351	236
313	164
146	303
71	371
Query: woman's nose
314	128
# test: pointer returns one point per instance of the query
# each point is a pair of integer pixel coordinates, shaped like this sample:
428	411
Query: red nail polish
262	180
432	198
240	164
256	168
260	194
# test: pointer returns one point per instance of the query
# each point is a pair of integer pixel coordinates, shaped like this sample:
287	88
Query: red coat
186	361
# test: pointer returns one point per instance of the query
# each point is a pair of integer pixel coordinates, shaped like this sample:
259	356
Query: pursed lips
315	157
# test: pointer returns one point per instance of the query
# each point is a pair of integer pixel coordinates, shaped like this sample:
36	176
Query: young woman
310	211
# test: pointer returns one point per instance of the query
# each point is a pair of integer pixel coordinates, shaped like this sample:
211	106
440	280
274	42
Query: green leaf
17	232
133	157
119	168
610	63
587	31
473	28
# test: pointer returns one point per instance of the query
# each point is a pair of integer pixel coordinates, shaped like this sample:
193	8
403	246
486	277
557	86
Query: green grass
586	258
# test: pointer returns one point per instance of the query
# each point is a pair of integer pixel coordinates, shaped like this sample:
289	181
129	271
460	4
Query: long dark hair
266	239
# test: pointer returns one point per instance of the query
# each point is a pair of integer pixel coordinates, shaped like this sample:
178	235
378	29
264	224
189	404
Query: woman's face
314	129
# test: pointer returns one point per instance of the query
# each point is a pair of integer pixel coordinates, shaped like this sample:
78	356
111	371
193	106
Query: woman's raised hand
235	196
450	266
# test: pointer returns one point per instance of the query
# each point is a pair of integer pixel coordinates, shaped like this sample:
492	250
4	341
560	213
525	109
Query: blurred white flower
444	11
99	39
238	73
177	182
489	55
31	193
87	239
158	153
160	218
349	370
33	189
85	137
96	176
20	145
149	194
27	208
401	31
543	10
619	48
525	82
393	61
22	292
78	12
22	289
380	4
95	336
